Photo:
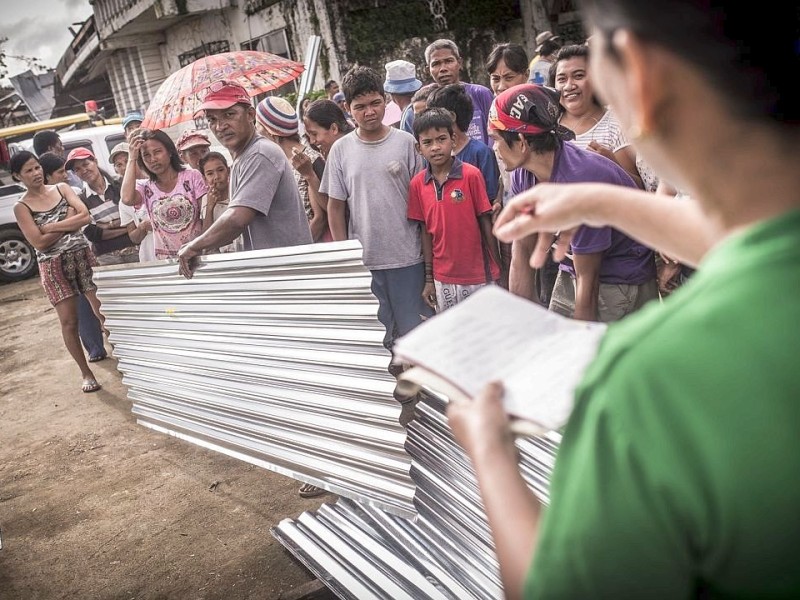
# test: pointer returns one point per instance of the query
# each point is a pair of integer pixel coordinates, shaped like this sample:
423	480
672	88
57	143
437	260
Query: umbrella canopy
179	97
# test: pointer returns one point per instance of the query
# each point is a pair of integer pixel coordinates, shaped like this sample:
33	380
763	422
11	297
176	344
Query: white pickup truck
17	256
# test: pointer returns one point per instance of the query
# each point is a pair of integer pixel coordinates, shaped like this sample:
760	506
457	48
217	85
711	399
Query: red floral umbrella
179	97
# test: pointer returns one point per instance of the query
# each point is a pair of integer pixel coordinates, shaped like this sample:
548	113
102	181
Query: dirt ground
94	506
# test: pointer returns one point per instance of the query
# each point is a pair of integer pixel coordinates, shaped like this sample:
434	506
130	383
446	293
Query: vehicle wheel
17	256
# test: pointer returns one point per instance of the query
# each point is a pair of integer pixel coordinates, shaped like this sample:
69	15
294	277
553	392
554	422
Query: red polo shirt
449	212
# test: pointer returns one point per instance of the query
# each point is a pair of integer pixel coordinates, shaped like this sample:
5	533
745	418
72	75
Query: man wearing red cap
609	275
265	206
111	243
193	145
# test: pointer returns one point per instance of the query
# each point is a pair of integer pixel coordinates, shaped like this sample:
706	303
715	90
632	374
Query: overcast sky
38	28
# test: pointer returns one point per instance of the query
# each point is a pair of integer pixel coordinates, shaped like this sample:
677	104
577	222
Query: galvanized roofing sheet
271	356
275	357
445	552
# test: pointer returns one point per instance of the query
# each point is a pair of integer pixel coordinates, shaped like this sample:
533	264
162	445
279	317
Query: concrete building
139	43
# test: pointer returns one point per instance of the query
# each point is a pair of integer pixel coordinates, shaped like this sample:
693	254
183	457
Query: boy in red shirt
449	198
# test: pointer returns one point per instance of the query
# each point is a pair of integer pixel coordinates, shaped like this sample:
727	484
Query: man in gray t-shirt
265	206
369	172
262	179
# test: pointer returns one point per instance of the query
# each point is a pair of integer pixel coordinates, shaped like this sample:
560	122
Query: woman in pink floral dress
173	194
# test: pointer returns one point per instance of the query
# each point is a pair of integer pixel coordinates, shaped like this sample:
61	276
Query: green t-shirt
679	471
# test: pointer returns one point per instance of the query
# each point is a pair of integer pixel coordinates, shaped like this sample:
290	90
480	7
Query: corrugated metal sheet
272	356
275	357
446	552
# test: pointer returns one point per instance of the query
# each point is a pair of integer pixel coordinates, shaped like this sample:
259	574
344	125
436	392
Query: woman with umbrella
173	194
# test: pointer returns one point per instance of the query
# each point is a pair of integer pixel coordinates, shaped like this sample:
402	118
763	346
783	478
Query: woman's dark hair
325	113
18	161
723	41
540	143
51	162
160	136
359	81
513	55
454	97
212	156
565	53
432	118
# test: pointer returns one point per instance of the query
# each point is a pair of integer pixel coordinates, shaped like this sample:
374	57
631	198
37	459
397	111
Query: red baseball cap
79	153
190	139
224	94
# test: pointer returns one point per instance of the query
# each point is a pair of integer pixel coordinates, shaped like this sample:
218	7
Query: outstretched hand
546	210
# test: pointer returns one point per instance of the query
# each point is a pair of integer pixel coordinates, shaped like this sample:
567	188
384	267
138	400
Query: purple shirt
624	260
481	103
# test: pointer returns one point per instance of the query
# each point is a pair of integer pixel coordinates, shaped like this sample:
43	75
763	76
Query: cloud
41	34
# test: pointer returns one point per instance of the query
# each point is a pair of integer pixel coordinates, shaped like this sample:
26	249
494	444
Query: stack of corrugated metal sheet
275	357
272	356
446	552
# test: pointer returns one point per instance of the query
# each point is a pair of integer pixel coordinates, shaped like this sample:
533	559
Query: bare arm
319	203
31	231
485	222
227	228
73	222
336	218
45	236
521	275
677	227
587	285
138	232
129	195
481	427
429	289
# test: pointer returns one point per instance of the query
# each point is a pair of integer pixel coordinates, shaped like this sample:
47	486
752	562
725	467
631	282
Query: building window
206	49
274	42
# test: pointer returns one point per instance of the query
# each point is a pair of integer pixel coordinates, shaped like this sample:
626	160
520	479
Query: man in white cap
264	207
547	44
193	145
401	83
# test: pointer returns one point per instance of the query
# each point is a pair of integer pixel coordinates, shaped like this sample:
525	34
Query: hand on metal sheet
187	260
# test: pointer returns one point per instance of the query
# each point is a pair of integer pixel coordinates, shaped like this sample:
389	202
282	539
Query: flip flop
90	385
98	358
311	491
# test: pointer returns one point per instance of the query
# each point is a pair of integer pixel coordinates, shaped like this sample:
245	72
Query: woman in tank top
51	218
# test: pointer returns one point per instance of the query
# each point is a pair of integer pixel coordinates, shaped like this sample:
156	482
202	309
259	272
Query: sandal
98	358
90	385
311	491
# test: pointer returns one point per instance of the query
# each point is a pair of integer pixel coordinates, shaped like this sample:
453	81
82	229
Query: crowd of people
591	179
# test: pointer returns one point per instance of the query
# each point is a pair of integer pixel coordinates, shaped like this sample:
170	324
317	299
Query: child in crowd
455	99
449	199
216	172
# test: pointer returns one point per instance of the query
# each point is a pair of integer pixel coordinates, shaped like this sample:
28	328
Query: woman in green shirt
678	471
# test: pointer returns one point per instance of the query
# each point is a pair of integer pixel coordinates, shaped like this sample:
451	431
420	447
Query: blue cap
338	97
132	117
